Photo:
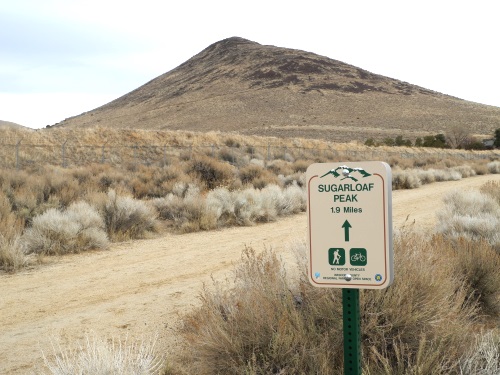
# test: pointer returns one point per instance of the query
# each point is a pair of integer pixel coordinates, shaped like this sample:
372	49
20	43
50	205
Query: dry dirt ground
143	287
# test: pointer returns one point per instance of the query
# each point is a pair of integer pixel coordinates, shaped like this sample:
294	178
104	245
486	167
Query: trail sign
349	210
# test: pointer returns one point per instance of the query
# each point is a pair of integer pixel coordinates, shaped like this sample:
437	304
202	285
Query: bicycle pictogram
358	257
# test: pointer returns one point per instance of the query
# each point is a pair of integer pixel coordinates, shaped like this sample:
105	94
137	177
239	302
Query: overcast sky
59	58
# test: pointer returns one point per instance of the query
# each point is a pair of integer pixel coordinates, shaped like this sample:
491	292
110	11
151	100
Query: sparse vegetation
56	232
473	214
100	356
422	324
191	189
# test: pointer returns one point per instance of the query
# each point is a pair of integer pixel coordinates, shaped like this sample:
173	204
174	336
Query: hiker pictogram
336	256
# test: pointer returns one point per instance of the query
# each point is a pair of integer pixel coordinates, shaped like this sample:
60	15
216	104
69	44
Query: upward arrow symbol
346	227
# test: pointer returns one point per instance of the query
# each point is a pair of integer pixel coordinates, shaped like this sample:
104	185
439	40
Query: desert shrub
425	176
188	211
229	335
221	203
10	224
483	357
475	216
400	162
492	189
294	179
494	167
128	218
232	142
405	179
240	207
425	312
464	170
12	256
78	228
257	176
446	174
58	182
267	321
99	356
250	173
290	200
478	264
425	161
414	178
480	167
82	174
211	172
470	214
229	155
301	165
185	209
280	167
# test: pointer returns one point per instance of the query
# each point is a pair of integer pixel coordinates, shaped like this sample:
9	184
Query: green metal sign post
352	331
349	206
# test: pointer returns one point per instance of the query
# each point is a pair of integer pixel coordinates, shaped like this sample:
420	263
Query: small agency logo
378	277
347	172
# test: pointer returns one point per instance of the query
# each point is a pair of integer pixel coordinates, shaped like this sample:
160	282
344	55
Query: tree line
459	138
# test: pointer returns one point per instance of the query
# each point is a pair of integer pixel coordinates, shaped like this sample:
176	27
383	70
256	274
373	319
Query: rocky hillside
242	86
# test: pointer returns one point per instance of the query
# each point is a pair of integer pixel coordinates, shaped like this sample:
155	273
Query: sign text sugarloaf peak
350	225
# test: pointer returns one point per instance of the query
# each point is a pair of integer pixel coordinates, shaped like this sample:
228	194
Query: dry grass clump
478	263
127	218
492	189
187	210
405	179
268	321
99	356
494	167
257	176
484	356
252	205
211	172
414	178
56	232
471	220
12	256
471	214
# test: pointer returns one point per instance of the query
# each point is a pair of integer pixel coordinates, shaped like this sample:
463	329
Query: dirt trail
142	287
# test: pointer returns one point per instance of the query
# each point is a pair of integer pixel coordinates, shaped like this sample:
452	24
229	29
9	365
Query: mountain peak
239	85
230	43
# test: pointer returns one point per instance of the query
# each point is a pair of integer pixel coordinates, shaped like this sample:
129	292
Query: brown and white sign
350	225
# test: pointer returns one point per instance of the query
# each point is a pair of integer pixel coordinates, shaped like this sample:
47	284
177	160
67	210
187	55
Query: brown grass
148	171
422	324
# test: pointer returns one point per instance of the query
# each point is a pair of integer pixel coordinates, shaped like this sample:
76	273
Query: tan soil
143	287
